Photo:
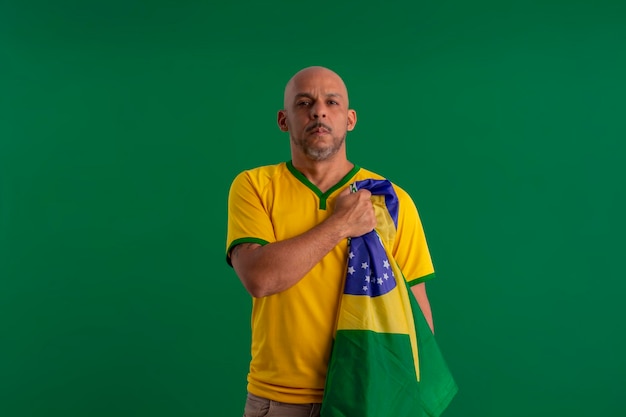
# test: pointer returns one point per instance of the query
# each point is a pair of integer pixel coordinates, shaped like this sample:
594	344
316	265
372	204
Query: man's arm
419	291
275	267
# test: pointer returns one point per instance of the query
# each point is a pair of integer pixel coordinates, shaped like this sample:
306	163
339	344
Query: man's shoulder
261	174
365	173
259	177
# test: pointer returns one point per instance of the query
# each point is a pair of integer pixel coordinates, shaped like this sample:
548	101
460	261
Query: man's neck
324	174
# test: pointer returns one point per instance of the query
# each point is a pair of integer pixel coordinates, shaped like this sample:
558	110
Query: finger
345	191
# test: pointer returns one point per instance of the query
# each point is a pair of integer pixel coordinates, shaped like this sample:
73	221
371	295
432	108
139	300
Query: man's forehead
318	80
313	94
315	85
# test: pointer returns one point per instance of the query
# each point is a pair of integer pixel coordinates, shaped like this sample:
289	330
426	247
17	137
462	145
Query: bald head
316	115
316	76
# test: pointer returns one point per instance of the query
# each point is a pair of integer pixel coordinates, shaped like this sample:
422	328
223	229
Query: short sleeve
248	215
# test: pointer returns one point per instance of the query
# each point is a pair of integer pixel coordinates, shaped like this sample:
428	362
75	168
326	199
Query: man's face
316	114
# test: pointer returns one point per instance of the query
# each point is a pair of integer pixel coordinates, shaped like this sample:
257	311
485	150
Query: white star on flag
351	270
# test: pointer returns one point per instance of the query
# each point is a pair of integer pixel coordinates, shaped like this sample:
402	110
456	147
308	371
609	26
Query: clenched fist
354	212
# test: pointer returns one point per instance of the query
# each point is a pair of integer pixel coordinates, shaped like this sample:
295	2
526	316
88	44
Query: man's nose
318	111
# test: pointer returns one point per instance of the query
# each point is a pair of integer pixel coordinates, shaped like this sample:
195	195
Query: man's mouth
319	128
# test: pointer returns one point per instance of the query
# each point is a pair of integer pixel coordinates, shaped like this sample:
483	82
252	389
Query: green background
122	125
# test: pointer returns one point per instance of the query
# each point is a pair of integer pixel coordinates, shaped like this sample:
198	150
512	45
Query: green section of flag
436	386
371	375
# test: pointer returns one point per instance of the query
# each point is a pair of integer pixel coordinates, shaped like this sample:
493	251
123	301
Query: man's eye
333	102
303	103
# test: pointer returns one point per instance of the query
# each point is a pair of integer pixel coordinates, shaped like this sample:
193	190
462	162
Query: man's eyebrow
303	95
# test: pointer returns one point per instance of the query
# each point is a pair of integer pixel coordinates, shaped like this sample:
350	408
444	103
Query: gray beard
319	154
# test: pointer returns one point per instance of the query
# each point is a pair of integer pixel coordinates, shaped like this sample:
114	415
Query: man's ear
351	120
282	120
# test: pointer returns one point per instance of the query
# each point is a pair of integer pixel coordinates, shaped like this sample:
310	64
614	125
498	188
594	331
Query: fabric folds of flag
385	361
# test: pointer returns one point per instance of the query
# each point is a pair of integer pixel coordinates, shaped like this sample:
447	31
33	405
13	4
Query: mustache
317	125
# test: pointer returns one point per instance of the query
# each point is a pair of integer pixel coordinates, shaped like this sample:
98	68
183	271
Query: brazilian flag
385	361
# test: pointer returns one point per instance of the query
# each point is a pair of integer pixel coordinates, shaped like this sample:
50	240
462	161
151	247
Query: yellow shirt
292	331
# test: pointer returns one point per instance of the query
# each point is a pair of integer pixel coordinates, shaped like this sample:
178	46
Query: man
288	231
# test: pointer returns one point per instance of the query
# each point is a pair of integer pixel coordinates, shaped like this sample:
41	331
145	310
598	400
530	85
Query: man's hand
355	212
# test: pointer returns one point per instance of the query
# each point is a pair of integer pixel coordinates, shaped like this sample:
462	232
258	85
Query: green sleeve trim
421	279
240	241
